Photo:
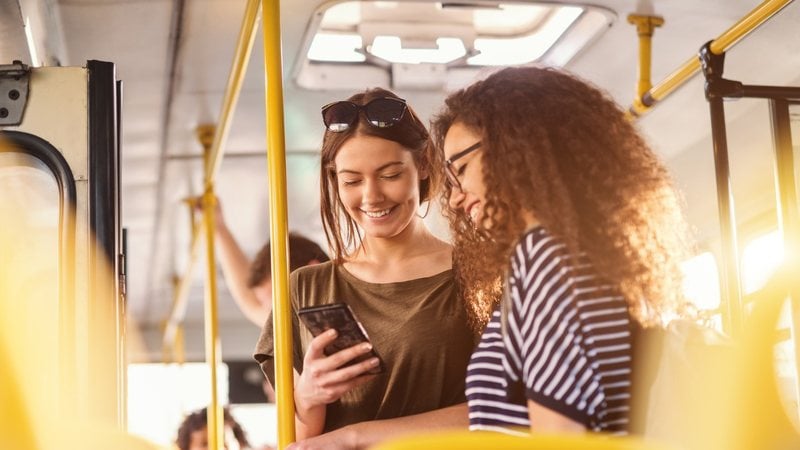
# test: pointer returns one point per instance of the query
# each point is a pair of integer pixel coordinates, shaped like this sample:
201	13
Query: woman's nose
372	193
456	198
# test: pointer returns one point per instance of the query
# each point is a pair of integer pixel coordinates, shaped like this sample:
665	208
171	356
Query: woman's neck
414	253
413	240
530	220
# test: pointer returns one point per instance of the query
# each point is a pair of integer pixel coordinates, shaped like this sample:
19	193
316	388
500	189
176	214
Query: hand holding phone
349	330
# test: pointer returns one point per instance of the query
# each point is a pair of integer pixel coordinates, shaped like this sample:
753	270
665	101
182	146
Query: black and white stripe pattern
566	345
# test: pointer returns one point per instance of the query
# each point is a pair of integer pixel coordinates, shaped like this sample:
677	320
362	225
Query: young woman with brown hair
377	166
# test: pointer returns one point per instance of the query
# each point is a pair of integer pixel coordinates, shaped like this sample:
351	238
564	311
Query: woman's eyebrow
385	166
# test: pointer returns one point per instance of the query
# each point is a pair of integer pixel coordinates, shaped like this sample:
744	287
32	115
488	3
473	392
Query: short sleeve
265	347
542	339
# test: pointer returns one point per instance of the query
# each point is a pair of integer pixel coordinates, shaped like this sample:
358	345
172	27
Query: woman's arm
308	421
236	271
366	434
545	420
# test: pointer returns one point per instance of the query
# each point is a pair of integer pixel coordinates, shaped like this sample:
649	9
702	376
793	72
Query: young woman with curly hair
555	197
378	165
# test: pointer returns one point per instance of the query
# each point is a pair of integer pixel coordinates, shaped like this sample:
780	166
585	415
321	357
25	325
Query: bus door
59	178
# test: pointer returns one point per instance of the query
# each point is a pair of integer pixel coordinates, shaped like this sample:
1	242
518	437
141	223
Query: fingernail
366	346
373	362
331	332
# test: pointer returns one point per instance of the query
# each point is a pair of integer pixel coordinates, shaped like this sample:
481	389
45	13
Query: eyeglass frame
361	109
452	176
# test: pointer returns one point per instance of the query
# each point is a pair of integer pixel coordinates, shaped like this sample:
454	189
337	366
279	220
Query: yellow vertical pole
645	26
213	348
276	159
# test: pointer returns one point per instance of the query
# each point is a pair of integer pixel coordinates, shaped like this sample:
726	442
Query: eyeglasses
452	175
380	112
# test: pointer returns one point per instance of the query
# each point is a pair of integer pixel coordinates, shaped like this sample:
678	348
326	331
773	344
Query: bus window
29	222
701	286
760	258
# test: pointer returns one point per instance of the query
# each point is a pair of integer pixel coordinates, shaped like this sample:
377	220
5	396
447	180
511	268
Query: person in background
193	432
377	167
552	191
250	283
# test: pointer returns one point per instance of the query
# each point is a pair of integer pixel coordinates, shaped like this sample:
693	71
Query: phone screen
340	317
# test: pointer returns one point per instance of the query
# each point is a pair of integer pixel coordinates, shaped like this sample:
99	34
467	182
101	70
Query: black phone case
340	317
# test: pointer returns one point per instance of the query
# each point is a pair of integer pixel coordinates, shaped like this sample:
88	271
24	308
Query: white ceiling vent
434	45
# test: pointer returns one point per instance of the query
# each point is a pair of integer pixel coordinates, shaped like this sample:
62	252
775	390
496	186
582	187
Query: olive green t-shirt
418	327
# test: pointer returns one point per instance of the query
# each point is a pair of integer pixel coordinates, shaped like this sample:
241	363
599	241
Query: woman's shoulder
536	244
313	273
309	284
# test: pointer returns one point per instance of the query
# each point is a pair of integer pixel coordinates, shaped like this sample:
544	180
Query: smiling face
471	197
378	184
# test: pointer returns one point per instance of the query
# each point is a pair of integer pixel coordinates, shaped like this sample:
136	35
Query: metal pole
776	92
214	414
787	206
720	45
276	159
645	27
730	283
244	47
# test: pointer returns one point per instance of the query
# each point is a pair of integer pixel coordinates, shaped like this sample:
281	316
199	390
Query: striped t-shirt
566	345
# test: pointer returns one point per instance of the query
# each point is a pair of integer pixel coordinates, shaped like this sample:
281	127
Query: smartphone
340	317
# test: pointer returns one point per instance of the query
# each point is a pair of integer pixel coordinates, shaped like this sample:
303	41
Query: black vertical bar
121	281
104	308
730	284
788	215
716	88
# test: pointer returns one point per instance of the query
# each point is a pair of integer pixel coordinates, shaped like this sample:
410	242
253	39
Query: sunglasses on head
381	112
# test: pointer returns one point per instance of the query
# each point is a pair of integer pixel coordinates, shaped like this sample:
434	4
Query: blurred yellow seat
481	440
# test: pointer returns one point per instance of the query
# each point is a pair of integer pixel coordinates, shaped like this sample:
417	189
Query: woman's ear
423	173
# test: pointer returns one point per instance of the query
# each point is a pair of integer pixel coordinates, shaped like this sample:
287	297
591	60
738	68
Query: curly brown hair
561	149
198	420
410	132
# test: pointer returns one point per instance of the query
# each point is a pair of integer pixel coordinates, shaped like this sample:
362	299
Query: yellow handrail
276	159
212	343
645	26
722	43
244	47
180	295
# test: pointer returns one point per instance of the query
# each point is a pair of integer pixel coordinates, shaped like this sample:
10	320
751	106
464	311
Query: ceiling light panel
460	36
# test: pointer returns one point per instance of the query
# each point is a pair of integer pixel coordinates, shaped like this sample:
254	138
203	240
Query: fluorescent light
336	47
508	19
390	48
342	16
501	52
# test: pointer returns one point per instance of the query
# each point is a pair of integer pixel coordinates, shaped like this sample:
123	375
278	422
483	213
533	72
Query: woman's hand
324	380
342	439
